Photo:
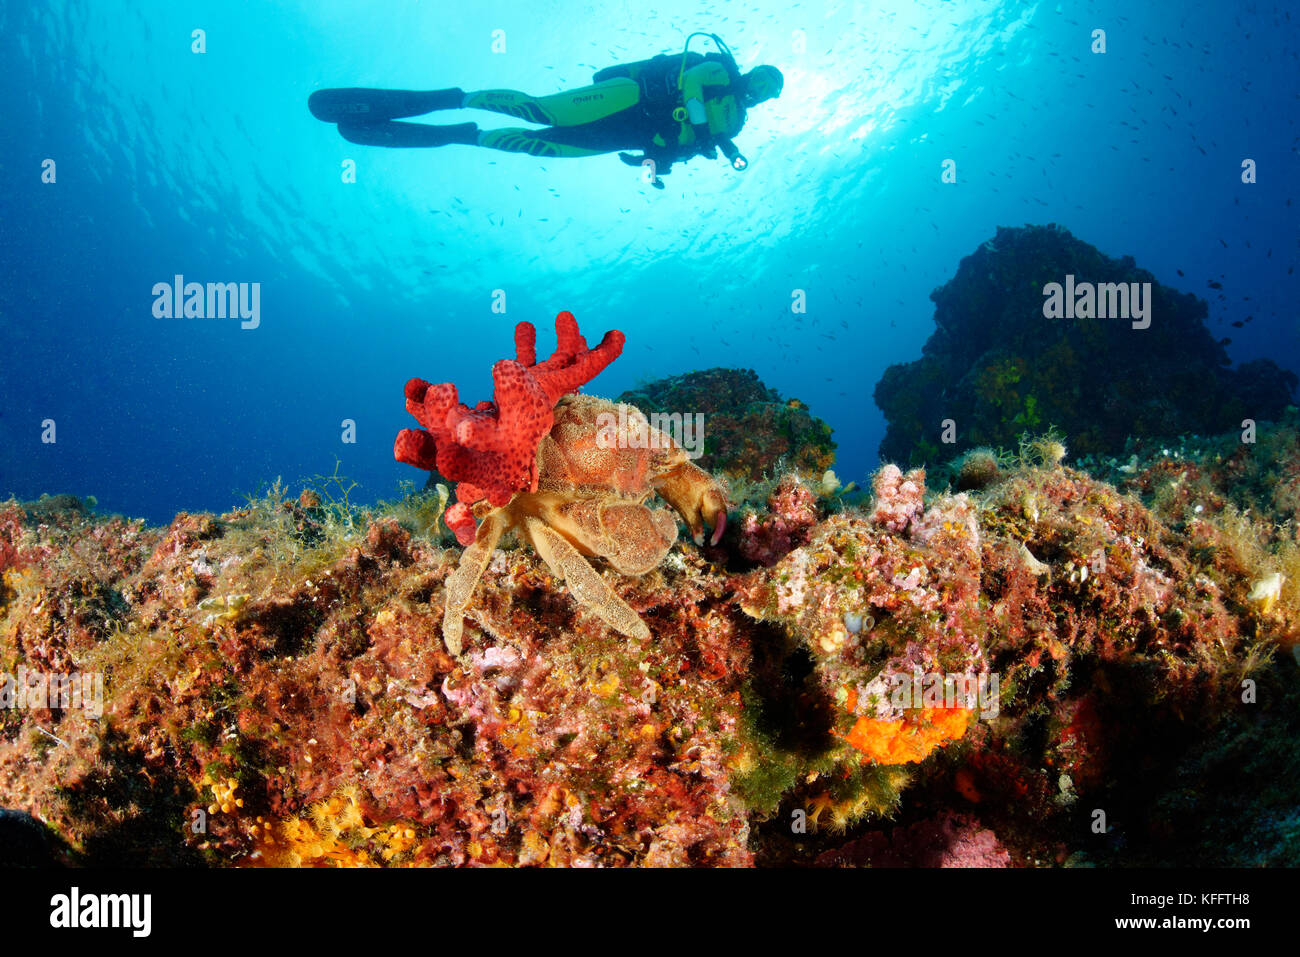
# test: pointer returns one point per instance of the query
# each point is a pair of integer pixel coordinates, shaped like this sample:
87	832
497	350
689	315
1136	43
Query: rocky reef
752	432
997	367
1057	666
920	677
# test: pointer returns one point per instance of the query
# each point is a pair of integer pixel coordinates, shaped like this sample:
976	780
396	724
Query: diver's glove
736	158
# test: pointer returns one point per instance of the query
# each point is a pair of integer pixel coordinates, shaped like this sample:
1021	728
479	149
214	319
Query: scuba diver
670	108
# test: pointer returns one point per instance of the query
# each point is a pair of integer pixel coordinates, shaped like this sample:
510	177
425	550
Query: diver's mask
762	83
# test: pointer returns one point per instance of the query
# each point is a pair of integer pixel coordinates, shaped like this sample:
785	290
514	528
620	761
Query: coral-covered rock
998	367
935	679
300	699
750	431
898	497
947	840
978	469
792	512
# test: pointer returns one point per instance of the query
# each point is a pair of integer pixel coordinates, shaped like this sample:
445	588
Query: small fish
1225	341
1238	324
1215	285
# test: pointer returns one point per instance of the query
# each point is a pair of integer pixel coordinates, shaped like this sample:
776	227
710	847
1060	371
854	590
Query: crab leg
587	586
461	582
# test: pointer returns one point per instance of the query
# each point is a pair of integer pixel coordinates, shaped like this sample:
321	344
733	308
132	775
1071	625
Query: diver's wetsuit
596	119
627	108
637	106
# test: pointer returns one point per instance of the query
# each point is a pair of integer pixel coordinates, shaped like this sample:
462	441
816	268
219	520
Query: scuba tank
724	57
661	77
656	76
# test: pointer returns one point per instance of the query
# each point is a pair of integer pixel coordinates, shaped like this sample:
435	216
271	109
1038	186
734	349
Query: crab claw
697	497
719	526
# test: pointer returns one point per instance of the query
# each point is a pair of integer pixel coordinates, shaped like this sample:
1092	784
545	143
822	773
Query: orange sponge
909	740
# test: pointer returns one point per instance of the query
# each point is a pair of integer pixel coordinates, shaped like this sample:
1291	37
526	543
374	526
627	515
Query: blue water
209	165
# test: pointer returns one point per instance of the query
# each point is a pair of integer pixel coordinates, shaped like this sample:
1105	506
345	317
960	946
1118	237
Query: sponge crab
570	473
596	470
